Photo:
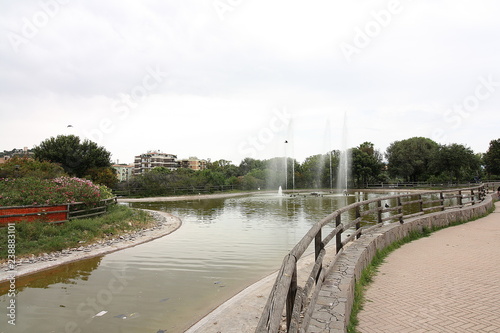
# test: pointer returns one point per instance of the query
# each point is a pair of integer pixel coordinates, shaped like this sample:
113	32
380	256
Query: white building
153	159
123	171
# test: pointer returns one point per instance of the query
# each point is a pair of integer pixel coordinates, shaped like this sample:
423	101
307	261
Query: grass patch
371	270
36	238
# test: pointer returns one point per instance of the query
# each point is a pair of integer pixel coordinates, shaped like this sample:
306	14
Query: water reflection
168	284
67	274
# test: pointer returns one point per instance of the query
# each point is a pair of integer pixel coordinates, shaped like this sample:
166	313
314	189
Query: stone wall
333	309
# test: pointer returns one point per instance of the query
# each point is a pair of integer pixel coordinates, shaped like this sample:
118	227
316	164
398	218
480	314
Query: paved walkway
448	282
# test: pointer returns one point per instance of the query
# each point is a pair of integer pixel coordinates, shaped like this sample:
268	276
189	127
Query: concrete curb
333	309
167	223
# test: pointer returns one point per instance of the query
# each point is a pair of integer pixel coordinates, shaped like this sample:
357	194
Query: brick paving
448	282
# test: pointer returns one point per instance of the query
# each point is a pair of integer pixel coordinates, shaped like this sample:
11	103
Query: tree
249	164
17	167
161	170
223	166
366	164
492	158
74	156
313	170
411	159
103	176
456	162
253	180
210	177
275	175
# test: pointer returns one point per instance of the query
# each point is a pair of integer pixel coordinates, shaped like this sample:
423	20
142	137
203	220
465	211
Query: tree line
416	159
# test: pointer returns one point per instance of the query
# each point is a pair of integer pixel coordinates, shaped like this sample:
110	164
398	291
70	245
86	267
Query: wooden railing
54	213
79	210
167	191
404	185
298	302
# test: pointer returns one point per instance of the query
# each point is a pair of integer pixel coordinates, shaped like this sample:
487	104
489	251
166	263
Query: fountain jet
345	161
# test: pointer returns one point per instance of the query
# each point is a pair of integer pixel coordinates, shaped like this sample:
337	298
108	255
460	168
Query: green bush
36	238
29	191
19	167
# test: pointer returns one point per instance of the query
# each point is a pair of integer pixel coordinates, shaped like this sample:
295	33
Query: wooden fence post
338	236
400	210
290	300
379	211
358	224
318	244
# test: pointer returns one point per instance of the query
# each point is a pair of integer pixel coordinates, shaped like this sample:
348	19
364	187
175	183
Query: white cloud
224	77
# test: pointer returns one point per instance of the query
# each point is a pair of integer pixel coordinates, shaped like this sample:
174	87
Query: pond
168	284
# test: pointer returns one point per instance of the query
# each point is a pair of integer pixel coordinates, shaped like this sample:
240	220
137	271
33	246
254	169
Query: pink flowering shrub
29	191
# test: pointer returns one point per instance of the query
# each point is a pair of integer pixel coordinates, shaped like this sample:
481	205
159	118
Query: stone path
448	282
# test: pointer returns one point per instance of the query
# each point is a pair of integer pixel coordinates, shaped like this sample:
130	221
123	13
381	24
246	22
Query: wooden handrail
286	293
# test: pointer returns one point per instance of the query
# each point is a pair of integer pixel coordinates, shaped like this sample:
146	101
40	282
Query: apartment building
123	171
153	159
193	163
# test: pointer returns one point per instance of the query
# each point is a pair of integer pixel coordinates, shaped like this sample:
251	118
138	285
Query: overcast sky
230	79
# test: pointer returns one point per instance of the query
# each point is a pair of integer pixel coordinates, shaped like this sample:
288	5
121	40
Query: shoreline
190	197
241	194
166	223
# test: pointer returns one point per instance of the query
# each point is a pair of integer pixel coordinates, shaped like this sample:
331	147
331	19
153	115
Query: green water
168	284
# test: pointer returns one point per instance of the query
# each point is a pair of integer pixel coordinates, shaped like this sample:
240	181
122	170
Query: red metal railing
52	214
